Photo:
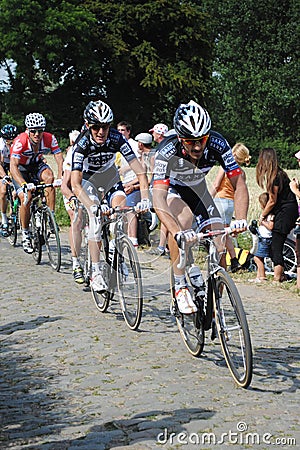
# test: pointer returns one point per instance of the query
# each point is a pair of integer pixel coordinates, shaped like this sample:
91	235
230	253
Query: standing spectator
264	233
282	203
125	171
295	188
223	194
8	132
70	205
27	163
158	131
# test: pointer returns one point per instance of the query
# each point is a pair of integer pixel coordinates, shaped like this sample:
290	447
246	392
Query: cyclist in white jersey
93	166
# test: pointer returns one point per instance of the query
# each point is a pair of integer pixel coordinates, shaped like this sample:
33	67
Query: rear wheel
233	329
13	229
289	256
129	282
190	326
52	240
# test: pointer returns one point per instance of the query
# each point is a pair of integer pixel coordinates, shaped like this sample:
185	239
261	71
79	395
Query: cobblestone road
72	377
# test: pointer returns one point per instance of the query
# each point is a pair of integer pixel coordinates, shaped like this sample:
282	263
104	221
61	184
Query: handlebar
33	187
199	236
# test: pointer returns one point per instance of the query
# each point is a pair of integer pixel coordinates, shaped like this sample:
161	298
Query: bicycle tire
102	299
12	230
233	330
190	326
36	240
52	239
289	256
129	282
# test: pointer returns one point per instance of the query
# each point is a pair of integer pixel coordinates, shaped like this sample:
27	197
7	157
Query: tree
256	69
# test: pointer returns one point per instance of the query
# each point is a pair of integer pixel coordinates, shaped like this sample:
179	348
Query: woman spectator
295	188
223	194
282	203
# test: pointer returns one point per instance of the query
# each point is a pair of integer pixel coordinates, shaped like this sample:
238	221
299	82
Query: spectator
70	205
264	234
295	188
158	131
223	193
282	203
125	171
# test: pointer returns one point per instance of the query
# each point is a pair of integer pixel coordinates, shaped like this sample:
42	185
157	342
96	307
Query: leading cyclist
180	192
93	166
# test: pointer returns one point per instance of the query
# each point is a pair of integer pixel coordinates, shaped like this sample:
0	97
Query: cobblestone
73	378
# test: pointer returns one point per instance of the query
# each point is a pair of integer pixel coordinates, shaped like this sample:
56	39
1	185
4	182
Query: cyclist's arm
217	182
241	196
59	161
66	184
15	172
2	171
160	192
76	180
142	177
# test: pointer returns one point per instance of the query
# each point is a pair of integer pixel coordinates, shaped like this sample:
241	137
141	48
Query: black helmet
9	131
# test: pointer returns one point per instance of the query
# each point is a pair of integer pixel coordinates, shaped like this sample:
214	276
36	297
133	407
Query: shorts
133	198
200	202
94	194
263	248
226	208
31	174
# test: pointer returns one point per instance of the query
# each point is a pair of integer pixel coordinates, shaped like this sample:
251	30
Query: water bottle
196	279
111	250
15	207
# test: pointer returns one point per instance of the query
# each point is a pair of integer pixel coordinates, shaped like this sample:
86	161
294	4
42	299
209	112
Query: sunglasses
97	127
201	140
37	131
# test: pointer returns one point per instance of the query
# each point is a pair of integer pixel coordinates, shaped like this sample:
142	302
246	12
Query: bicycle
120	266
220	310
13	218
43	228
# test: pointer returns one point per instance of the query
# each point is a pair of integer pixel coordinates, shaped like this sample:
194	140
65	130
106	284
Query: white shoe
184	301
98	284
27	245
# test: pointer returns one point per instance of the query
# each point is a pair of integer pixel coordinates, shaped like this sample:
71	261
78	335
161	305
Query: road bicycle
220	310
43	228
120	266
13	217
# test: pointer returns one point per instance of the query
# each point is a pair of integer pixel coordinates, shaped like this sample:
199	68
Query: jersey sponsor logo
217	143
228	158
125	149
168	151
78	157
83	143
159	169
210	210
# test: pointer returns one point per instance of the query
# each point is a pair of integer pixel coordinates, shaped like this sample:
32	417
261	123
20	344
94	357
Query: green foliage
61	214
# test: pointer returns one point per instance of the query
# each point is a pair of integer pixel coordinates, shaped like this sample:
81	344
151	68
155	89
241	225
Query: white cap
144	138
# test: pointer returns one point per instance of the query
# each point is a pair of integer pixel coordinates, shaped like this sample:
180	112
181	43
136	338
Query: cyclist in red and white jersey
27	163
180	192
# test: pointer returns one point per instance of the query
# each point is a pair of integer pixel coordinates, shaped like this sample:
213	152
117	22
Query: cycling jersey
173	165
90	158
4	151
22	150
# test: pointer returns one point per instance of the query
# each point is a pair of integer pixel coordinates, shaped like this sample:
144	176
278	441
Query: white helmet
191	121
98	112
35	120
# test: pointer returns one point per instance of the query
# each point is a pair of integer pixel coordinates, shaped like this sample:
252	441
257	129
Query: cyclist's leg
45	174
3	208
25	211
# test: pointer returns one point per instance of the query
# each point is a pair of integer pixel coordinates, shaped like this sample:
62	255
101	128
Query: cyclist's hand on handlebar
185	236
238	226
28	187
144	205
73	203
57	183
6	180
105	209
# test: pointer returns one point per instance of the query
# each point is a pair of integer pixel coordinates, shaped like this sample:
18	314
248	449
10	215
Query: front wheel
129	282
13	229
233	329
52	240
190	326
36	239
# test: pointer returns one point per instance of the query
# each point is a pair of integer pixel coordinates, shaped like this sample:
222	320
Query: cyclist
93	166
180	191
8	132
27	164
